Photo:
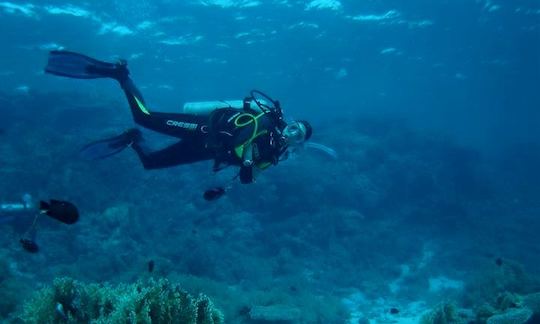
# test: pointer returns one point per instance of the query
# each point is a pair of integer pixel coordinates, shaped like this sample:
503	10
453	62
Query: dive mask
295	133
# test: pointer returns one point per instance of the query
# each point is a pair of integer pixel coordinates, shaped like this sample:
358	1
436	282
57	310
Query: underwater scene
270	161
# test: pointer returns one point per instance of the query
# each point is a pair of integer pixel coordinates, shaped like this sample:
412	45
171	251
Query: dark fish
62	211
394	310
2	131
151	265
29	245
499	262
214	193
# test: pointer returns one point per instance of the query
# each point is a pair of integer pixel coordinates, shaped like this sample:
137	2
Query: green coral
69	301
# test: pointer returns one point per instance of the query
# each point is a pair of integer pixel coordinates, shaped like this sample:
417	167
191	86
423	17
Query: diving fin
110	146
79	66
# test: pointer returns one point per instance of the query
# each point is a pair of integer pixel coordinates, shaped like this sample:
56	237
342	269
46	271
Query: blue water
433	108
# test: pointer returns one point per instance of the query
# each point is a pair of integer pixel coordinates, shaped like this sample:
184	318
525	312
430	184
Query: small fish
151	265
62	211
213	193
499	262
394	311
29	245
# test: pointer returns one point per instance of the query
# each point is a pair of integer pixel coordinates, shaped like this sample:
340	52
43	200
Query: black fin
110	146
79	66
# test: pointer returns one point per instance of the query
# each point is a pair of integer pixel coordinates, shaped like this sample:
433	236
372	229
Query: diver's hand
246	174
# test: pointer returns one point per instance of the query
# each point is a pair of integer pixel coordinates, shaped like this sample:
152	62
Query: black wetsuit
227	136
214	137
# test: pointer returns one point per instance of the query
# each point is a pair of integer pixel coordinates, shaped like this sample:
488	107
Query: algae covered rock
508	300
514	316
445	313
69	301
532	301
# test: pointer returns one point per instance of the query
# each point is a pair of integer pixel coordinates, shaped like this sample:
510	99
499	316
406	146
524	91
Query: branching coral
69	301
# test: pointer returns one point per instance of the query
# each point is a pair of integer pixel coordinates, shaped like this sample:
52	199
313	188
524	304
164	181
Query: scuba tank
204	108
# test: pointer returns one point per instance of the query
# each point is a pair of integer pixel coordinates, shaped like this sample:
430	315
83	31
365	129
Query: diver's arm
252	166
257	157
246	174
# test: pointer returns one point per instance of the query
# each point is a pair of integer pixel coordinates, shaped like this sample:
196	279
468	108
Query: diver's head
297	132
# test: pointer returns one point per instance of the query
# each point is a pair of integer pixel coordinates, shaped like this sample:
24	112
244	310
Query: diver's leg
173	124
183	152
80	66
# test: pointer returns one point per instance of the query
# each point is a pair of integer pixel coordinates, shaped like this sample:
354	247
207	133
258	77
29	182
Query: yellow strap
239	150
250	119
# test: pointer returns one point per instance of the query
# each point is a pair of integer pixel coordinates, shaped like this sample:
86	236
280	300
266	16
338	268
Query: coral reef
510	308
274	245
275	313
514	316
532	301
239	302
8	299
69	301
500	285
445	313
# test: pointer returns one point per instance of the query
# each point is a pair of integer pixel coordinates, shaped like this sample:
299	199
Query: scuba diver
251	134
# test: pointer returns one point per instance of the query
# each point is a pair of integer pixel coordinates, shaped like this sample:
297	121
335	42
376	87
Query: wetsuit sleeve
246	169
173	124
257	156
